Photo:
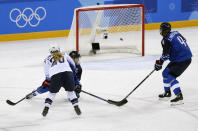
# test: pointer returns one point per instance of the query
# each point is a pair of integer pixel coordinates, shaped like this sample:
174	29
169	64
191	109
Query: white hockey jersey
51	67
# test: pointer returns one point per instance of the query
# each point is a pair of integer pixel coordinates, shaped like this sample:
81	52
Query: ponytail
57	56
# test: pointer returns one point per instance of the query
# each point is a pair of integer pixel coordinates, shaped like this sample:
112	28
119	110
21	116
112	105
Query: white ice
111	76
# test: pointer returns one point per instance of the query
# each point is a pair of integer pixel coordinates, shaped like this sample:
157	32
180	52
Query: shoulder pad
63	53
171	35
48	58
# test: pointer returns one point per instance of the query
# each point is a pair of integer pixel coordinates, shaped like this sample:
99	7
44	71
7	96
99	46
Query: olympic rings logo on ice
27	16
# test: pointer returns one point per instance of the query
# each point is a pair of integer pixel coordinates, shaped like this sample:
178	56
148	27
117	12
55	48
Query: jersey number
181	40
60	61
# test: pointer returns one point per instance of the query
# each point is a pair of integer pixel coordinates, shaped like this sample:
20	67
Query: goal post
108	28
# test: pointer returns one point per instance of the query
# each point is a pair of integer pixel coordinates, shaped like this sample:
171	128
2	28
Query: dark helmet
74	54
165	27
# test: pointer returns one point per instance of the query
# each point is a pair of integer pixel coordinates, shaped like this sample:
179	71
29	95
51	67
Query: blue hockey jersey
175	48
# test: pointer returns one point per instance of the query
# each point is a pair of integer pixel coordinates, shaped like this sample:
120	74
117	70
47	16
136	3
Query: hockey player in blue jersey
76	56
77	76
177	51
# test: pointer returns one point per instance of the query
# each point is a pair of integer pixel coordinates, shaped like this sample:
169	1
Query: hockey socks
165	96
48	102
74	100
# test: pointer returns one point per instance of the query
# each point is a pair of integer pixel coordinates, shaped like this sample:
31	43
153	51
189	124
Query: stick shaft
139	84
94	96
14	103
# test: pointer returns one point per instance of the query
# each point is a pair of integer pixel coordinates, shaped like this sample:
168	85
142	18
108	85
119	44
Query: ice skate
45	111
77	110
178	100
165	96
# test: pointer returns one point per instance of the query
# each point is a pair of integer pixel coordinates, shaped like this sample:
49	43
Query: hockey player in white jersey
76	73
57	67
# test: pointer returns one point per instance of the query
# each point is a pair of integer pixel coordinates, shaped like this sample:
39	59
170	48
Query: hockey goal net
107	28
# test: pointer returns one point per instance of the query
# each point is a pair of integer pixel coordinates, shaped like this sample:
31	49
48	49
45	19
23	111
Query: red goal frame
111	7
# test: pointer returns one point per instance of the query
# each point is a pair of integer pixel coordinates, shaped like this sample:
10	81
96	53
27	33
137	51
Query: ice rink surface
111	76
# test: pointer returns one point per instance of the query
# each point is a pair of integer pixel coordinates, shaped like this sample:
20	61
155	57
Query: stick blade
10	102
118	103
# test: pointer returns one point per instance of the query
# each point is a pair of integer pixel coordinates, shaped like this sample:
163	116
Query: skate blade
177	103
165	99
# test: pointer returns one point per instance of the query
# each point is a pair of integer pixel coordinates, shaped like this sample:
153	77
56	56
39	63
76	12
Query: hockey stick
124	101
108	101
14	103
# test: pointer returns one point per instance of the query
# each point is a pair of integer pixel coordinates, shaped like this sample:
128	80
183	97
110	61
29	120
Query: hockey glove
78	88
158	65
46	83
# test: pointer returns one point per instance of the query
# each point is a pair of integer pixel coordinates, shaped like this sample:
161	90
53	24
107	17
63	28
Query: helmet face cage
165	27
74	54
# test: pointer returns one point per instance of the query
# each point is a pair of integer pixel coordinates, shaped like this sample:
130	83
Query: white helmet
54	48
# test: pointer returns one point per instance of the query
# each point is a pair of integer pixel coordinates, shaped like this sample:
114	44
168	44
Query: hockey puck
121	39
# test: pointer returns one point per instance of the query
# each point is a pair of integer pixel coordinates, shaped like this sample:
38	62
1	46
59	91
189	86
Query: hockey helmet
165	27
74	54
54	48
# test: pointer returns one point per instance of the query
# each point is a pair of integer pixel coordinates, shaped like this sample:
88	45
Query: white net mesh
116	29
